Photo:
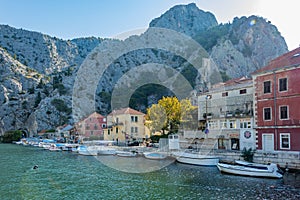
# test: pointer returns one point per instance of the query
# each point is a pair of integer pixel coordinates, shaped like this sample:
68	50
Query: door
268	142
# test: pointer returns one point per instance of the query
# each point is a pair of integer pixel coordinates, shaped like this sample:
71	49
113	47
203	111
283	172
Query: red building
92	126
277	104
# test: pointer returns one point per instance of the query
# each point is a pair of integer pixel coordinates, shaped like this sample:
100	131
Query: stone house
125	125
277	97
91	127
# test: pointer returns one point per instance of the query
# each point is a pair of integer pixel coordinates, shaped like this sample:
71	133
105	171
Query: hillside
38	71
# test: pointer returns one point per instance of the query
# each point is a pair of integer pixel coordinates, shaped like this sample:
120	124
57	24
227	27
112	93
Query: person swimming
35	167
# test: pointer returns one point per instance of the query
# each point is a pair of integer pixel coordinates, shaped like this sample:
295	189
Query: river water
65	175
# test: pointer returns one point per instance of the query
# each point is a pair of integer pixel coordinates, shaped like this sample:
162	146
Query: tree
10	136
157	115
172	109
169	114
37	99
41	84
189	115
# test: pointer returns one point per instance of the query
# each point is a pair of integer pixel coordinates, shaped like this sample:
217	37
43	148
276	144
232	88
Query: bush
248	154
10	136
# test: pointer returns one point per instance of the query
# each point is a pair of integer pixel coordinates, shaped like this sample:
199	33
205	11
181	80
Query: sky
68	19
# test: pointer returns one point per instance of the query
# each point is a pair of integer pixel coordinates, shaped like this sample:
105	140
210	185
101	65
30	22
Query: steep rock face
43	53
37	72
15	102
187	19
250	44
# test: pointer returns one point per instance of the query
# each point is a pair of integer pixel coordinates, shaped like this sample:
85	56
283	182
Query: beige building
125	125
225	115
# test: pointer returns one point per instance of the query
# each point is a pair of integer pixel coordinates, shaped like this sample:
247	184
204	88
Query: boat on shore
251	169
196	158
155	155
126	153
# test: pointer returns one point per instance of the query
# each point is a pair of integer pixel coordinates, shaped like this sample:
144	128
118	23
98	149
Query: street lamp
206	124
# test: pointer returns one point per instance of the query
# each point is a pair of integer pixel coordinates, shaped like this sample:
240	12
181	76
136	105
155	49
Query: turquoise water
65	175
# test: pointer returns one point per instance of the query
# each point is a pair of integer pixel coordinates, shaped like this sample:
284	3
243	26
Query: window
285	141
117	130
283	84
283	112
232	124
267	113
221	143
243	91
132	129
224	94
104	119
136	129
95	127
134	119
245	124
223	123
213	124
267	87
103	125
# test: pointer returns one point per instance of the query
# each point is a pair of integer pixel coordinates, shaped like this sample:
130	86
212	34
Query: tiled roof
126	111
289	59
234	81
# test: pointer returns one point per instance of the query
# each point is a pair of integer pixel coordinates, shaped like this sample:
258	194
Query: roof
234	81
126	111
67	128
289	59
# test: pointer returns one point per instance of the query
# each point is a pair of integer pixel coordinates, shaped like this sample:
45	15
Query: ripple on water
64	175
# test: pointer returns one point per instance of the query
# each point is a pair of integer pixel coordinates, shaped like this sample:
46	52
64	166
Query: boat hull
248	171
197	159
155	156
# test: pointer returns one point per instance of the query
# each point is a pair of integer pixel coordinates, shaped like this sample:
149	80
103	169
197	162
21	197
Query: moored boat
106	151
155	155
251	169
126	153
53	147
87	150
196	159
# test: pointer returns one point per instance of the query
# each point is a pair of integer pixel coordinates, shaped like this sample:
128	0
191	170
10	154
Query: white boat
126	153
87	150
155	155
53	147
196	159
251	169
106	151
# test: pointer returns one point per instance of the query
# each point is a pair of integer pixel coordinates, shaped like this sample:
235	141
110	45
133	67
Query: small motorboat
107	151
155	155
196	158
53	147
87	150
126	153
251	169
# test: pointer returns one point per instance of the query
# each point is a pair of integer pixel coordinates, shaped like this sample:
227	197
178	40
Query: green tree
170	113
38	99
189	115
10	136
157	116
41	84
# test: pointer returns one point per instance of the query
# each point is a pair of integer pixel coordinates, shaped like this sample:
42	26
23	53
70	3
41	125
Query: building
226	115
91	127
125	125
277	97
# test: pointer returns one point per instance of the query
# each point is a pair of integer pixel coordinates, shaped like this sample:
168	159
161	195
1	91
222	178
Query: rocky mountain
187	19
37	71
